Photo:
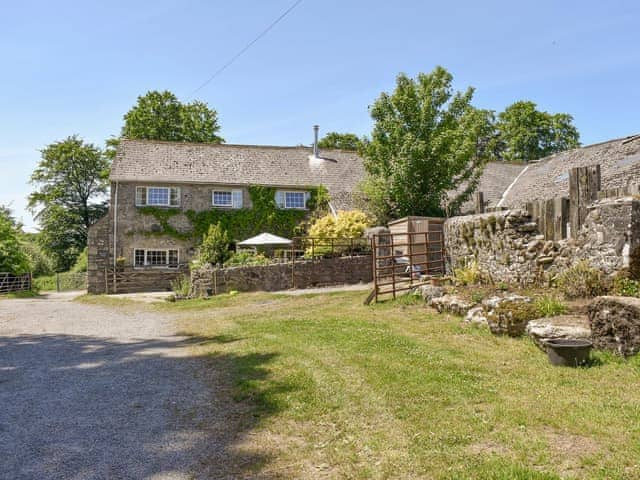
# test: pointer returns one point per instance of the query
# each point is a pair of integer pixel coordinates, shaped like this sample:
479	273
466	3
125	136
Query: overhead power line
247	47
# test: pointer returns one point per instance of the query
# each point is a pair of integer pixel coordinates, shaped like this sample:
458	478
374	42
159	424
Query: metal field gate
410	255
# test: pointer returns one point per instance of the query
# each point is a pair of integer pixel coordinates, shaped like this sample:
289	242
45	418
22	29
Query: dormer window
158	196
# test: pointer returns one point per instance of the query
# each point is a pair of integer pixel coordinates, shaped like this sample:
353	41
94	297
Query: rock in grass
429	292
510	317
476	315
615	324
451	304
571	327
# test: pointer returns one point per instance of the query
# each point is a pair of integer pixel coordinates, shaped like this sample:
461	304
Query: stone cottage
158	188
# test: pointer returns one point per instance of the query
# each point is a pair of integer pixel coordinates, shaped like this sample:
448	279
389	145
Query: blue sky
77	67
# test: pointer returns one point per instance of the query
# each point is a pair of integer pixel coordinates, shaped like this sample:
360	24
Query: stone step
574	327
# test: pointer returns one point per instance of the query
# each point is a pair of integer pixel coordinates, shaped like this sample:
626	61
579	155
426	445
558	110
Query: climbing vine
162	215
263	216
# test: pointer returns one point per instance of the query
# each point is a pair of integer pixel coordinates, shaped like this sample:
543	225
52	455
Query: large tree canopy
161	116
524	133
343	141
13	258
71	183
427	140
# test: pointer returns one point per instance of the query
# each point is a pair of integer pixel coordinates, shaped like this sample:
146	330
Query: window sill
158	206
156	267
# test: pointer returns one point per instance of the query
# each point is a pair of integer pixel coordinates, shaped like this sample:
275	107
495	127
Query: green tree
427	140
525	133
215	245
161	116
13	259
343	141
70	182
39	262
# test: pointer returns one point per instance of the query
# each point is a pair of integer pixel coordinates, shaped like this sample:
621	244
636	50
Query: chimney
315	140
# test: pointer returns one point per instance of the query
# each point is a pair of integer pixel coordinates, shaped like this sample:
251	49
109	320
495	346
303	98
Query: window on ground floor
155	258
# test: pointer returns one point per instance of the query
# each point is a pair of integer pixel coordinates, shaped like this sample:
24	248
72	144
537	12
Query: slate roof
549	177
171	162
495	179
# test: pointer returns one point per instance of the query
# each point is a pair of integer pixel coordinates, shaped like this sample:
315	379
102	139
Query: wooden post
410	235
561	217
57	282
479	202
584	184
374	266
393	268
292	254
549	218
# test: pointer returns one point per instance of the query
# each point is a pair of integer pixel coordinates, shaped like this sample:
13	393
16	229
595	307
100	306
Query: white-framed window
226	198
158	196
292	199
155	258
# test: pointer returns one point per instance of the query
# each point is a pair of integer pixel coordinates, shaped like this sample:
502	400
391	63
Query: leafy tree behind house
426	140
161	116
343	141
13	258
70	187
524	133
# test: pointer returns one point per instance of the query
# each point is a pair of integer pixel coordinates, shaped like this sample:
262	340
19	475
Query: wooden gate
14	283
406	258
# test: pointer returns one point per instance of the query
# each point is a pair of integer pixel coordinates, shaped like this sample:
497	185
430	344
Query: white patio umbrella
264	239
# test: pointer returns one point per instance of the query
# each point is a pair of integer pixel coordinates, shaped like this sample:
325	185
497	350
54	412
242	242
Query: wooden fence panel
584	185
551	216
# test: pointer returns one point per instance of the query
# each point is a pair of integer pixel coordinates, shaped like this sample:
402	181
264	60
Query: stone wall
99	238
509	246
271	278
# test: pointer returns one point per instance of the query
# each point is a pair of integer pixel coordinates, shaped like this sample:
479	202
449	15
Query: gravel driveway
93	392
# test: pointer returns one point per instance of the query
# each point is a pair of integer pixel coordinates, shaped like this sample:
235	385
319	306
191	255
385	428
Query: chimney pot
316	128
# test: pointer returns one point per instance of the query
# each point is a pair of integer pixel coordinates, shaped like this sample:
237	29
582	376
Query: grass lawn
22	294
341	390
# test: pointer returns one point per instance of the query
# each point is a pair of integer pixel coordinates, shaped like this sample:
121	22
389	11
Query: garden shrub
550	306
246	258
626	287
215	246
181	286
346	224
581	281
471	274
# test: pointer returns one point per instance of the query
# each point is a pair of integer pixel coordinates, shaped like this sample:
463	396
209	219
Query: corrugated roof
155	161
619	161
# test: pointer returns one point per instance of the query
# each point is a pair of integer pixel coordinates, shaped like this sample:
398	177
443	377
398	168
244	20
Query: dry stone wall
330	271
99	238
509	246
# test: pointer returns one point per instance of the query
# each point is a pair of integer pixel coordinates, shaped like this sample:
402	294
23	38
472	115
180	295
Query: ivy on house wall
240	224
162	215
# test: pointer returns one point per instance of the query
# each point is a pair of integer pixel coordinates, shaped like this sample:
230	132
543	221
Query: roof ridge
232	145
